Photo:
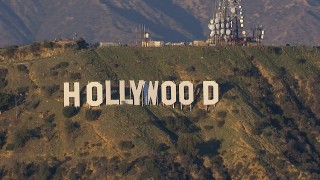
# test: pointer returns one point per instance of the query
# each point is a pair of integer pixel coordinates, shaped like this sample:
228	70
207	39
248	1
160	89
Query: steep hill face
266	124
171	20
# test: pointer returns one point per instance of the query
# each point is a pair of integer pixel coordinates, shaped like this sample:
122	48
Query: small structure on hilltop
143	38
108	44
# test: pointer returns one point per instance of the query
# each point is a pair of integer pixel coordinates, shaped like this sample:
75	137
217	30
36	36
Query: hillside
266	124
23	22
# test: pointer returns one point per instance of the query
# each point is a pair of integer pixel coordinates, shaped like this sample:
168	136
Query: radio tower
227	23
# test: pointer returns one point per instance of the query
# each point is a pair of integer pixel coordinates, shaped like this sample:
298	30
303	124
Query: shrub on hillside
22	136
126	145
48	45
162	147
187	144
75	76
68	45
70	111
71	126
10	51
33	104
221	123
2	138
180	123
22	90
209	148
60	65
3	72
281	72
208	127
23	68
301	61
54	73
277	50
191	69
222	114
49	90
92	115
10	147
3	83
50	118
48	126
82	44
4	101
35	47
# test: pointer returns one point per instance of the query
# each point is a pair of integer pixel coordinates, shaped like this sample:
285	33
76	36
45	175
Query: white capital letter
153	92
136	91
213	100
182	97
109	100
75	94
123	100
99	94
173	93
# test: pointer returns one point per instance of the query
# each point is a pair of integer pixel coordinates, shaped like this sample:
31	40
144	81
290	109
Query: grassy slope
240	144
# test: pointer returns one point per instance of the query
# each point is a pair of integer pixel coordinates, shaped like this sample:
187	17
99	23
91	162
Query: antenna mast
227	23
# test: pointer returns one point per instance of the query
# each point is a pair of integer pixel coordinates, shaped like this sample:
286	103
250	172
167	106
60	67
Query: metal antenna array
258	33
227	23
142	36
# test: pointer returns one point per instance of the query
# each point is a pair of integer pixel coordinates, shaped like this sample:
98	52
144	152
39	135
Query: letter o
173	92
182	97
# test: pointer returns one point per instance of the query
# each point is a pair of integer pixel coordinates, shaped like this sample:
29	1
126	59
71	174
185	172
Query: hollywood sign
144	93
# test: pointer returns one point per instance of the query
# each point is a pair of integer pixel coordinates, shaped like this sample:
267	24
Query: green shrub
54	73
126	145
281	72
3	83
199	114
10	147
162	147
23	68
221	123
92	115
180	123
222	114
70	111
2	139
208	127
22	136
45	172
60	65
48	45
188	144
75	76
301	61
191	69
82	44
35	47
4	101
50	118
10	51
71	126
68	45
3	72
235	111
209	148
33	104
277	50
49	90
